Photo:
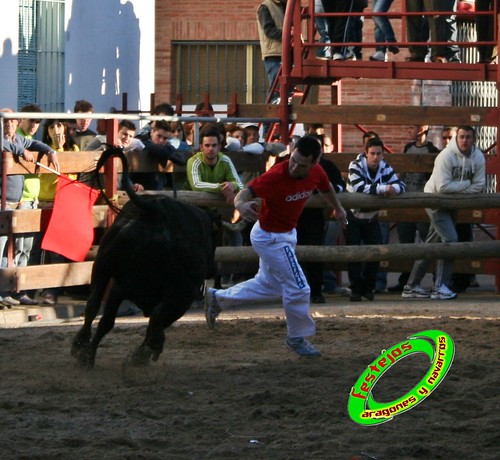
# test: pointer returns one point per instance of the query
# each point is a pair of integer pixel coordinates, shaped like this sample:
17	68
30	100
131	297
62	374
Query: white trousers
279	277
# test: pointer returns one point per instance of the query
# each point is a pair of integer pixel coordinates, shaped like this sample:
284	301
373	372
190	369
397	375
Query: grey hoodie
455	172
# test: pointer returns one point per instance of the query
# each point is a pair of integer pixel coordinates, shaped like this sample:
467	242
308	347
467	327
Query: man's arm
164	153
246	204
267	23
332	200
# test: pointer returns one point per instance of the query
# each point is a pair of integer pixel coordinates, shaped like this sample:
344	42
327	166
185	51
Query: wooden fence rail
404	206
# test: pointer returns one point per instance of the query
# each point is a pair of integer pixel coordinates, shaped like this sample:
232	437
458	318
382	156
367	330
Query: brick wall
236	20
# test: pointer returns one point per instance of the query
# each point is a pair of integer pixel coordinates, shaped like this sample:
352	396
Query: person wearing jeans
384	33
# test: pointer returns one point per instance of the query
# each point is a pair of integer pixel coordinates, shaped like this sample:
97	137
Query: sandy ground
236	392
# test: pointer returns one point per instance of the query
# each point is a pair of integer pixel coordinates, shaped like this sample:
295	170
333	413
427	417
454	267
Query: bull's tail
112	152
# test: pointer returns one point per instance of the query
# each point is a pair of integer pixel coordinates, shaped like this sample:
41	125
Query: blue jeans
384	33
272	65
321	23
442	229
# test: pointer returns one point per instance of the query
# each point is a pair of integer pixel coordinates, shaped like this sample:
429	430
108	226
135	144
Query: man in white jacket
459	168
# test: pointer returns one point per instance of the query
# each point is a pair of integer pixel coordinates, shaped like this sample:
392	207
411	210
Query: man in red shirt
283	191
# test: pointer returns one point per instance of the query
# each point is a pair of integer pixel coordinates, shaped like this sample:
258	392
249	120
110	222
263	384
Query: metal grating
220	69
41	54
476	94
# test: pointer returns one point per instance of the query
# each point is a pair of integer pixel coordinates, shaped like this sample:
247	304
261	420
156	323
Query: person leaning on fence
284	190
19	147
157	146
415	182
459	168
369	174
27	250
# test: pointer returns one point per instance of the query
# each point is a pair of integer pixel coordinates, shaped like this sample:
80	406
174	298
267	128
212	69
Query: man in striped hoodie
370	174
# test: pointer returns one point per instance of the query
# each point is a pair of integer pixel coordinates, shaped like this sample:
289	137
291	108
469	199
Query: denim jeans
321	23
272	65
384	33
442	229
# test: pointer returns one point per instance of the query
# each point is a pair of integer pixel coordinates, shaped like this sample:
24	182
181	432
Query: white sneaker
442	293
378	56
416	292
338	57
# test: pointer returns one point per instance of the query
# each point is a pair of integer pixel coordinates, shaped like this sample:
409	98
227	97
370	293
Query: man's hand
53	160
227	189
249	210
340	215
390	190
28	156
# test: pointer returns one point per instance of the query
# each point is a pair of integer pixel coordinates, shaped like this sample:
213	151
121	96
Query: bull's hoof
142	356
84	355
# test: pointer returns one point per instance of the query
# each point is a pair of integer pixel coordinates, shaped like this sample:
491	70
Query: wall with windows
181	25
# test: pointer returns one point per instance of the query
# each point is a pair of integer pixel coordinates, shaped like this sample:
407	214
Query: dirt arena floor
237	393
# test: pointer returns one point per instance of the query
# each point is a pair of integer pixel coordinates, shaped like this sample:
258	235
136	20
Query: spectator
164	109
459	168
441	28
211	171
83	134
415	182
485	30
20	147
324	52
355	29
384	33
271	15
370	174
27	246
338	27
157	145
311	231
125	139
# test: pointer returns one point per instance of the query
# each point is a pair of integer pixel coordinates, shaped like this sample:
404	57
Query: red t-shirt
284	198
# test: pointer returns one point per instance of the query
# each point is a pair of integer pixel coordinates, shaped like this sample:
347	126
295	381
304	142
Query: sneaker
25	299
416	292
395	288
212	308
339	290
10	301
368	295
338	57
442	293
49	299
318	299
324	53
393	49
378	56
302	347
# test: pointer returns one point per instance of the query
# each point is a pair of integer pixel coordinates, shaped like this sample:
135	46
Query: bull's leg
82	339
106	323
162	316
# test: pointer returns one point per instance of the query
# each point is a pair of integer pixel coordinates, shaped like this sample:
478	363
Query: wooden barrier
407	206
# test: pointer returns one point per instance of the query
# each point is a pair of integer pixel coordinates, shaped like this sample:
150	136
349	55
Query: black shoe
318	299
396	288
368	295
393	49
355	298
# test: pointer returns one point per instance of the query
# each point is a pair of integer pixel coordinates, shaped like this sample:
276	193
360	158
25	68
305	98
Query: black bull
157	254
